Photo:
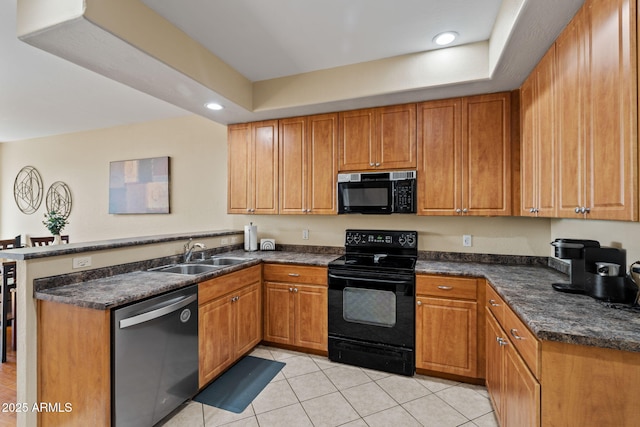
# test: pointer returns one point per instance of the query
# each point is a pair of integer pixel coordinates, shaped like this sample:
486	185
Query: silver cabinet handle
294	274
493	303
502	341
295	290
290	289
458	210
371	164
377	164
445	288
419	303
514	333
465	210
577	209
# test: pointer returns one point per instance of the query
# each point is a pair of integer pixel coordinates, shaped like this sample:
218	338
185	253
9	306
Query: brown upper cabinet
594	114
464	156
378	139
537	165
253	168
308	164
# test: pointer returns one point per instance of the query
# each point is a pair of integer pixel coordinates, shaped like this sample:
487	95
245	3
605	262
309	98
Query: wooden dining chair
7	244
7	306
44	241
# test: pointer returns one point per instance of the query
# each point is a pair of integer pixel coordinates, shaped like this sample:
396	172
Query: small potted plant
55	222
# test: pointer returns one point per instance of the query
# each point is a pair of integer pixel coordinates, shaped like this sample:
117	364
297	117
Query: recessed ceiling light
445	38
213	106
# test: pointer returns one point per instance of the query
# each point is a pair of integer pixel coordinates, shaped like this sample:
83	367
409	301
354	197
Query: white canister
250	237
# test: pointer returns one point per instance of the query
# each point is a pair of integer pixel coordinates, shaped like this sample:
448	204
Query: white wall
197	148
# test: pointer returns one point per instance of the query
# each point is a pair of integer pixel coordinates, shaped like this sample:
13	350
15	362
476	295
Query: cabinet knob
458	210
514	333
419	303
295	290
532	210
445	288
493	303
371	164
578	209
502	341
377	164
586	210
290	289
465	210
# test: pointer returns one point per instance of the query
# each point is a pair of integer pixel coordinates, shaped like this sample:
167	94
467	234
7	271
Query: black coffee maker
584	256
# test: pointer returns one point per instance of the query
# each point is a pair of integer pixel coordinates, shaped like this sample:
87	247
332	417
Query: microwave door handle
395	282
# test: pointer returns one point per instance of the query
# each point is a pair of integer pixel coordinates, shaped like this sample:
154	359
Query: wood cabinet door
294	161
311	317
522	392
545	136
215	338
264	170
446	332
357	139
611	153
278	313
239	168
570	101
248	319
439	157
494	372
537	165
528	147
322	164
395	147
486	154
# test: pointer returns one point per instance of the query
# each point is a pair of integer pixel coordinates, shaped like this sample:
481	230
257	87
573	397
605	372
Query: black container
618	289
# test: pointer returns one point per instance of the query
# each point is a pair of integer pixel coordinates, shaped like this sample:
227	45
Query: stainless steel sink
185	268
222	261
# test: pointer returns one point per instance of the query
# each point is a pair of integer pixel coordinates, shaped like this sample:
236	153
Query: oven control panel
382	239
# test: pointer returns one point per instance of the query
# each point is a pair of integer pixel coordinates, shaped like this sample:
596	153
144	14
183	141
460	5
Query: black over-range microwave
377	192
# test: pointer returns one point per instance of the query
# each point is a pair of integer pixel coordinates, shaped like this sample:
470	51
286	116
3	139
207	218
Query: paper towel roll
250	237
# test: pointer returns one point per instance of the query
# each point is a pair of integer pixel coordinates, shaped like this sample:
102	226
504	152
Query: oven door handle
394	282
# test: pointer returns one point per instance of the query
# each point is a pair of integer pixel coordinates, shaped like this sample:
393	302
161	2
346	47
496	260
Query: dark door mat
235	389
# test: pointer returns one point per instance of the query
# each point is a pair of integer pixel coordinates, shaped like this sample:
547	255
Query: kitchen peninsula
584	344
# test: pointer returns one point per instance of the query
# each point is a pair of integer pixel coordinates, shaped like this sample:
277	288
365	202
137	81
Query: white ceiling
43	95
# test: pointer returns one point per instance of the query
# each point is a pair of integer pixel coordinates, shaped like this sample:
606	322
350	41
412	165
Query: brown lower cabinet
513	365
229	323
295	306
447	326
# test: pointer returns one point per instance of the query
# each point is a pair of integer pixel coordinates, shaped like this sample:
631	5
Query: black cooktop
377	261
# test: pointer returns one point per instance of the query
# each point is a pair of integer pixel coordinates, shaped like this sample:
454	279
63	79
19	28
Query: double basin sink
202	266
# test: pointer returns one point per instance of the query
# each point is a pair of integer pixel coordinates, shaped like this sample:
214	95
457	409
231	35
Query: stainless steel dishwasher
154	357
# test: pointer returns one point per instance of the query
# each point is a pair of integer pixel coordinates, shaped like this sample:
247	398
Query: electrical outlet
466	240
224	241
81	262
305	234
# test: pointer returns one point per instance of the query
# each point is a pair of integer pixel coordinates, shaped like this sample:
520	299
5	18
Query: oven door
365	197
372	307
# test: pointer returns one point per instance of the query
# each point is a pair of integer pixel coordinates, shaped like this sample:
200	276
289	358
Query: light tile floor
313	391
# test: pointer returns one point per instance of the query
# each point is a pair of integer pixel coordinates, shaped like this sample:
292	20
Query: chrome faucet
188	249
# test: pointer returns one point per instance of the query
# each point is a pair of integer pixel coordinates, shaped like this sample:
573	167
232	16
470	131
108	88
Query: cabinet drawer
216	287
523	339
293	273
447	287
495	304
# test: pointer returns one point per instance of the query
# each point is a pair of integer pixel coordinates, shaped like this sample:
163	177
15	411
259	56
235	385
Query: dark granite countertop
82	247
551	315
